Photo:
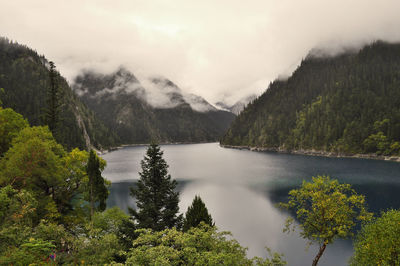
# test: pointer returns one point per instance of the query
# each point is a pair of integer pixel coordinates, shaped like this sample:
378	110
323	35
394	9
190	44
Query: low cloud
215	49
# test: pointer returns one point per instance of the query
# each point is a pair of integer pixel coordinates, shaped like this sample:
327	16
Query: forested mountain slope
155	110
24	77
344	104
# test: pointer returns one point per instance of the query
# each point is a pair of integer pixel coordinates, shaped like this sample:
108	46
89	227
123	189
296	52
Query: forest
346	104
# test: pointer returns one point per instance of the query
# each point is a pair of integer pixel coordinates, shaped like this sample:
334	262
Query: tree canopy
326	210
378	243
202	245
197	213
156	196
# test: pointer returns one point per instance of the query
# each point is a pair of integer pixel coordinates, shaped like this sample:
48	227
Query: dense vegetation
119	99
347	104
52	210
26	78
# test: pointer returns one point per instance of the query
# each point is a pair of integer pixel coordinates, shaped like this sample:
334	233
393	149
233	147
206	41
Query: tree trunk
320	252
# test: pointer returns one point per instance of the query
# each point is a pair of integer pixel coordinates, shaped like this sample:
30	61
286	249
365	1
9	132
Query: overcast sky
213	48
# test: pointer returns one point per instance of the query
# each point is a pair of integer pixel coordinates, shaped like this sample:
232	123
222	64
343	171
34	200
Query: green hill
345	104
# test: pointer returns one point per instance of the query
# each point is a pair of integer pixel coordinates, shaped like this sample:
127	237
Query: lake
241	189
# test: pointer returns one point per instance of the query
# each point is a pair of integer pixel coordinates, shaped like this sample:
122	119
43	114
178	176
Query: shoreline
319	153
111	149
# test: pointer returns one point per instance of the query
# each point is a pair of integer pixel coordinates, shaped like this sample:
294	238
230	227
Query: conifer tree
97	186
156	198
53	100
196	214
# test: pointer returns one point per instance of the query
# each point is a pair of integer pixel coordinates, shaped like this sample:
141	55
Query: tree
378	243
157	200
97	190
53	100
202	245
11	123
326	211
197	213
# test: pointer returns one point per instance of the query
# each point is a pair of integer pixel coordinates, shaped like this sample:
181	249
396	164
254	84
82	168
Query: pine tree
53	100
157	200
97	190
197	213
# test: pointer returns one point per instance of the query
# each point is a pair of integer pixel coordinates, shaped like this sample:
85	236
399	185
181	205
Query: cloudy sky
214	48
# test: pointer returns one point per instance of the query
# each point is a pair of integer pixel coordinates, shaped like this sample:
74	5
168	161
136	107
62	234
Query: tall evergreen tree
196	214
97	187
157	200
53	100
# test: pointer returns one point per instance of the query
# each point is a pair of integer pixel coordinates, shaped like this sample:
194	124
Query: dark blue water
241	189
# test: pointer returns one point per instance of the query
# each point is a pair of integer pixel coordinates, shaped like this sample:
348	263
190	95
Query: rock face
153	109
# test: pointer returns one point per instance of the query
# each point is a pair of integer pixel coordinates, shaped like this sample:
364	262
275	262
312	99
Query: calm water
241	189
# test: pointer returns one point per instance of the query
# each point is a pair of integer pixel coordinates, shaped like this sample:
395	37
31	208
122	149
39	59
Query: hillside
155	109
24	76
345	104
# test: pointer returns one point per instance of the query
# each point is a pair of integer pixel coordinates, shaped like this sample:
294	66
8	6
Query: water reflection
241	188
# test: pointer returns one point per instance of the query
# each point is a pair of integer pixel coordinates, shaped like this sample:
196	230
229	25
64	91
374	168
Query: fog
216	49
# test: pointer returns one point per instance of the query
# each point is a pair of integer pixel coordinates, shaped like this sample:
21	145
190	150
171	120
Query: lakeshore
314	152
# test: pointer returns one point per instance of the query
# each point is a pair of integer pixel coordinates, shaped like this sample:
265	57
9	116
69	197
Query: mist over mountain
349	103
238	106
152	109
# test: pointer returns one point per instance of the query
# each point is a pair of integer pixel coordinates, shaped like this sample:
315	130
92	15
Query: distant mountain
237	107
24	75
347	104
154	109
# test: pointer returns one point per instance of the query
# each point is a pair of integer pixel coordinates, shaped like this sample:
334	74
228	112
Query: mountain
154	109
24	76
345	104
237	107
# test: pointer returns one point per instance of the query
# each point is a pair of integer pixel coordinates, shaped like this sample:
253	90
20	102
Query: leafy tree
34	163
202	245
97	187
197	213
326	210
378	243
157	200
11	123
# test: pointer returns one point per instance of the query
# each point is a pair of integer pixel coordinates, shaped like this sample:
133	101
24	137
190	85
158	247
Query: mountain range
152	109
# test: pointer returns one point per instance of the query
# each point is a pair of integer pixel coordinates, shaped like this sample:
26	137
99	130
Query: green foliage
96	249
11	123
378	243
157	200
345	104
197	213
326	210
33	251
34	163
16	207
202	245
110	220
97	186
